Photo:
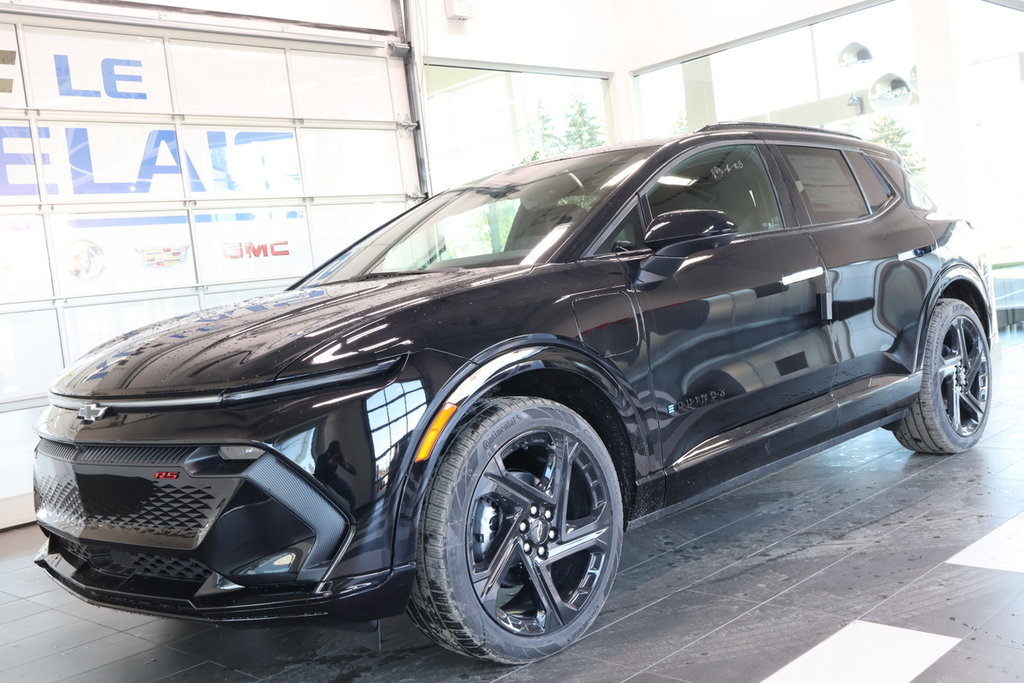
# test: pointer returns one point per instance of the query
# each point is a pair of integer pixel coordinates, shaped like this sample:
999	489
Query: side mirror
678	234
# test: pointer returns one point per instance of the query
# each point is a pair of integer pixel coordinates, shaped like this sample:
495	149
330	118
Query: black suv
461	414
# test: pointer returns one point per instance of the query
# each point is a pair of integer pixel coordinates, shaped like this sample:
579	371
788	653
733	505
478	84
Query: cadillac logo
91	412
162	257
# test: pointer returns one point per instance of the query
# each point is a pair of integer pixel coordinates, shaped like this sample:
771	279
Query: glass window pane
482	121
104	162
90	326
351	162
330	86
875	188
81	71
30	347
628	235
16	451
746	78
256	244
825	184
18	181
730	179
214	78
24	266
231	163
333	228
108	253
12	88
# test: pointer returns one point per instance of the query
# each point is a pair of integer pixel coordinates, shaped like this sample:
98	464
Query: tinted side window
732	179
628	234
916	196
825	184
875	188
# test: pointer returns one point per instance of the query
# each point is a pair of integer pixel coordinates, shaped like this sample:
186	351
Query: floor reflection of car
460	415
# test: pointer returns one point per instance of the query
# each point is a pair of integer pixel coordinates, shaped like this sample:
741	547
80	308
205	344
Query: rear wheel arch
970	294
959	282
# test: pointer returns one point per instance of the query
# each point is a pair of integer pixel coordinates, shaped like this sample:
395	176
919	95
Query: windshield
513	218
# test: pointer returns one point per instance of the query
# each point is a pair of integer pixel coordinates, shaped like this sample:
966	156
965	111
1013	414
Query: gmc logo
165	475
236	250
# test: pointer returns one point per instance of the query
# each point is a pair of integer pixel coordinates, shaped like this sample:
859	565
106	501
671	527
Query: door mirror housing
678	234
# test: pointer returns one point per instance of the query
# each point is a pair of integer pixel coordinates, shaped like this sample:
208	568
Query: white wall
566	34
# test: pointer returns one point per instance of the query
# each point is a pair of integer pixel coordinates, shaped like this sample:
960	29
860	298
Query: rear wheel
951	410
521	533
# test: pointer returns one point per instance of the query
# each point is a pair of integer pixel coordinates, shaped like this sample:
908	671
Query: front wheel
951	410
521	533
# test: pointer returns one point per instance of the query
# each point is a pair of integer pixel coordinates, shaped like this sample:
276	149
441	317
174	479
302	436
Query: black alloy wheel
952	407
522	533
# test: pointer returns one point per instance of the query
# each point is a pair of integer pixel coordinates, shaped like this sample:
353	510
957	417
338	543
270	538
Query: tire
951	410
520	535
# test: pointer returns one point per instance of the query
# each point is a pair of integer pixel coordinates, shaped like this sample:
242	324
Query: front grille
147	507
115	455
125	564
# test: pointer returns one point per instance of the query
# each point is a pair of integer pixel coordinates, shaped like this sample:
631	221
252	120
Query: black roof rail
732	125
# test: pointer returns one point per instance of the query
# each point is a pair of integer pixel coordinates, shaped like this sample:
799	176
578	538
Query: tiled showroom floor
862	563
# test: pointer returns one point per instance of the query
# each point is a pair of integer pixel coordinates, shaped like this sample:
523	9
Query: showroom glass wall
482	120
146	176
858	73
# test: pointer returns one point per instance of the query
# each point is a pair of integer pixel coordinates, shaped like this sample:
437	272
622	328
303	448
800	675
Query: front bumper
178	530
359	598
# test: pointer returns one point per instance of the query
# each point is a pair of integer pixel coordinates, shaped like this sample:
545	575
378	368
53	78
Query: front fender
481	375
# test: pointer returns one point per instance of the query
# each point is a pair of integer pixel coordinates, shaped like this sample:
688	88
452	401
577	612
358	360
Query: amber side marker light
434	431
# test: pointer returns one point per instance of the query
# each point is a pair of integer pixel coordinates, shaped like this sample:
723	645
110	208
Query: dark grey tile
649	635
72	661
16	609
147	665
167	631
118	620
752	647
50	643
265	652
776	568
951	600
34	624
863	580
651	677
405	656
26	582
1005	627
572	667
223	642
19	548
208	672
975	661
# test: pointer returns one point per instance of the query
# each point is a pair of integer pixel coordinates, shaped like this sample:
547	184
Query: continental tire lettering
490	443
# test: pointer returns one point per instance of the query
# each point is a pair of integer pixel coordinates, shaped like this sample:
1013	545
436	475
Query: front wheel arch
504	365
521	534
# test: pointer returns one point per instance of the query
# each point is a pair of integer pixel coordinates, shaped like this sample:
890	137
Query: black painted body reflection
694	369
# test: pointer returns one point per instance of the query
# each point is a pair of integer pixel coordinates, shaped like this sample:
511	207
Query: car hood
254	342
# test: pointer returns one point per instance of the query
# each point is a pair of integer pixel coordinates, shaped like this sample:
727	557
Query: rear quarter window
916	196
825	183
876	189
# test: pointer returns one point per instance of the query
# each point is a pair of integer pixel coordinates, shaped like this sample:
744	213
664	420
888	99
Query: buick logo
91	412
85	260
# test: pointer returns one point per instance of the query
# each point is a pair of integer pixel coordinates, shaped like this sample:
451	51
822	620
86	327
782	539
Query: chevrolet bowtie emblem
91	412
